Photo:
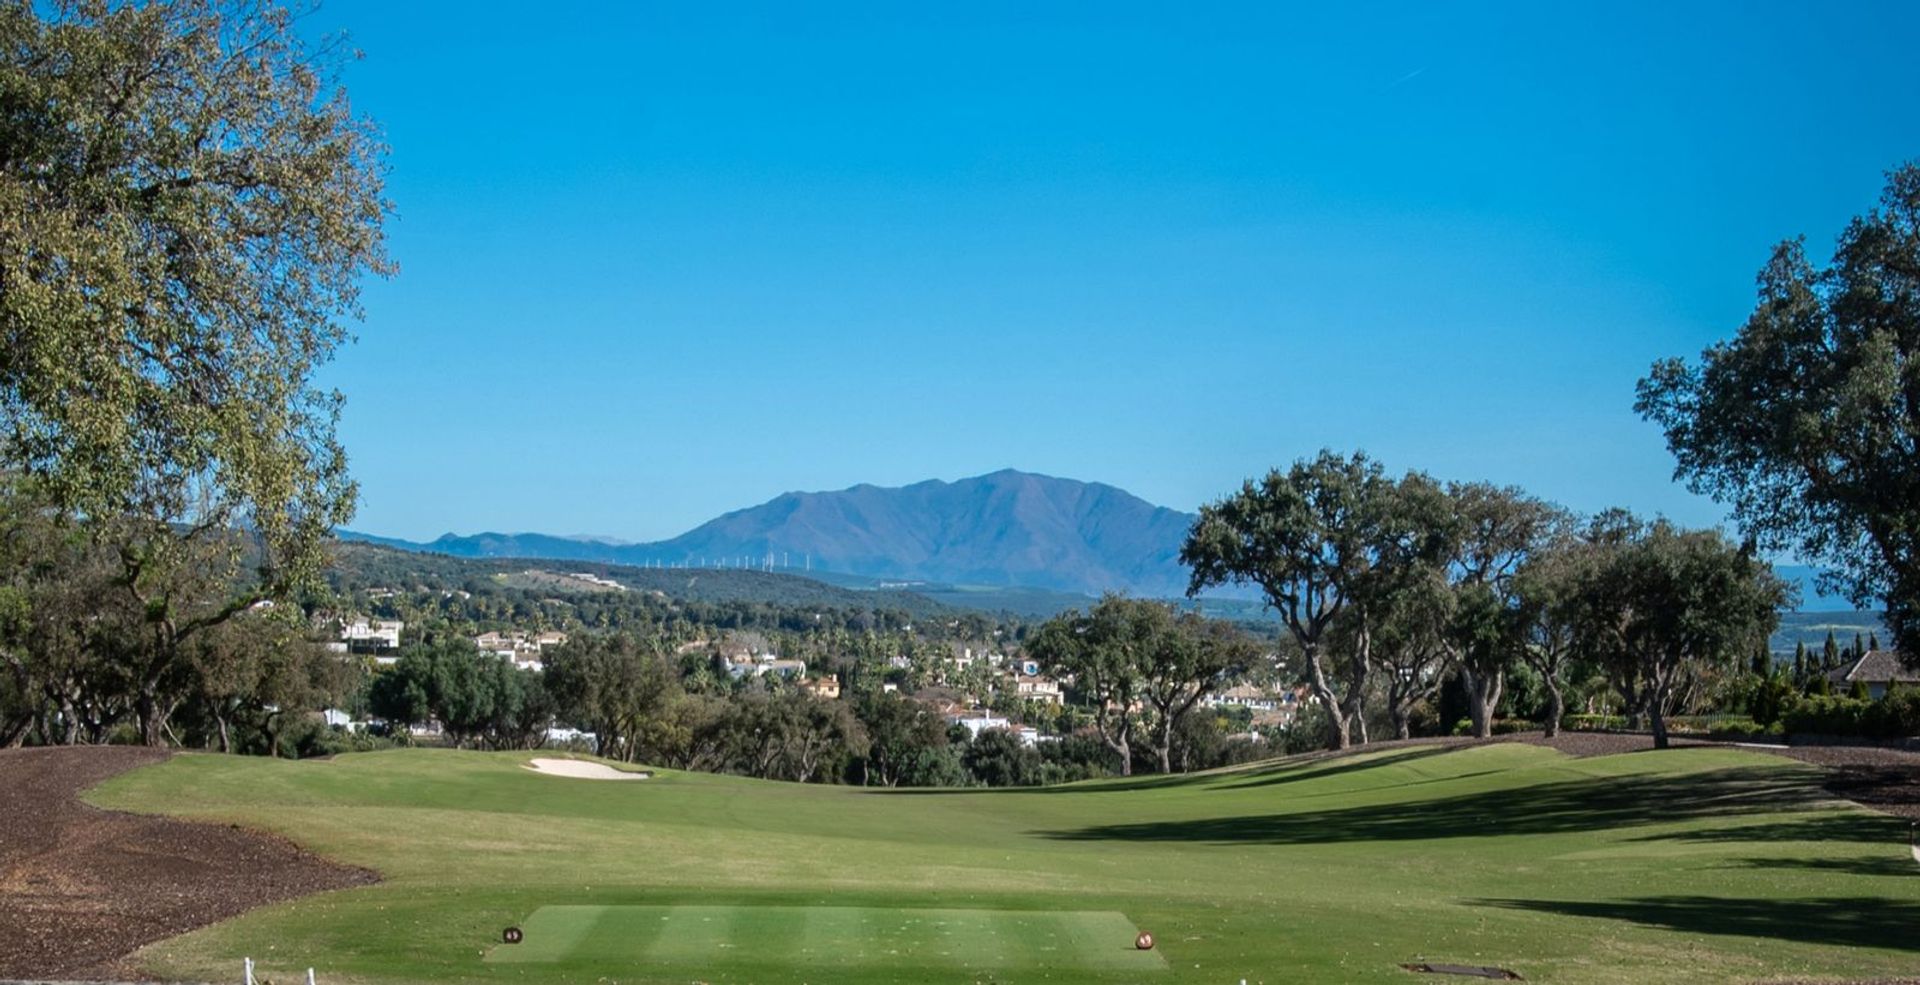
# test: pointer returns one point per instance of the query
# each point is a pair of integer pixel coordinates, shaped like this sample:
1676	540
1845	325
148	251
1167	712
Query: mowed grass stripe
968	938
832	936
825	937
552	933
689	935
1106	940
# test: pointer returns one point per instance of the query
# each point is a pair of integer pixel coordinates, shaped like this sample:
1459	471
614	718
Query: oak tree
1807	422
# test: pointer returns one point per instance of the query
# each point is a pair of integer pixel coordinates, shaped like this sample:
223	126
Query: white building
372	636
1242	696
1036	688
526	650
977	722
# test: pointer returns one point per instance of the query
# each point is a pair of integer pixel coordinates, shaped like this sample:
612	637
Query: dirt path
81	888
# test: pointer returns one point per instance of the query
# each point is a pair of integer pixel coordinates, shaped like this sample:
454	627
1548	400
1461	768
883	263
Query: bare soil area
81	888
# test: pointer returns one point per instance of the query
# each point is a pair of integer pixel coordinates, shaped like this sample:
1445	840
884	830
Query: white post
249	972
309	976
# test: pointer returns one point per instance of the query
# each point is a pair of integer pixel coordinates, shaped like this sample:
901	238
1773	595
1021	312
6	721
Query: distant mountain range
1005	528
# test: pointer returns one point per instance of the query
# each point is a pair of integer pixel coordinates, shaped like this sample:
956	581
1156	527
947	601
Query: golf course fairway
1690	865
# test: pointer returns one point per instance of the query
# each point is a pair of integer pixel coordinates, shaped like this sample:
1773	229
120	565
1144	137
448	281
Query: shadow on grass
1587	804
1891	865
1860	921
1273	776
1257	776
1811	827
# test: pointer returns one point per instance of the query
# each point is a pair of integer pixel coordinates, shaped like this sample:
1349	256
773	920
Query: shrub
1827	715
1501	726
1771	699
1895	716
1594	723
1741	730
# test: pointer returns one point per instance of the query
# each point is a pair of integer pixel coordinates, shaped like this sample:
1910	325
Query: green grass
1695	865
689	940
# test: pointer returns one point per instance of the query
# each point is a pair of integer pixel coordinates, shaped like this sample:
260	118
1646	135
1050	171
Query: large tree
1492	530
187	208
64	627
1664	604
611	684
1328	540
1808	421
1411	646
900	731
1101	653
1548	592
1191	657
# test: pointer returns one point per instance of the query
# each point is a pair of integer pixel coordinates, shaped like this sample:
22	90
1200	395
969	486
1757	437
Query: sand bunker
582	770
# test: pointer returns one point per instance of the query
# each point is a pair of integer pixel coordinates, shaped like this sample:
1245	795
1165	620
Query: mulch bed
81	888
1884	779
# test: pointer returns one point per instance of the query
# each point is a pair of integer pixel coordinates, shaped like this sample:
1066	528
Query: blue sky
661	261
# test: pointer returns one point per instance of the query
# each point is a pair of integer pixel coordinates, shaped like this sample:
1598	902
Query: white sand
582	770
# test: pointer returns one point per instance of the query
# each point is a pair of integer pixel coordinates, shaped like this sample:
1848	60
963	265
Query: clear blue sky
661	261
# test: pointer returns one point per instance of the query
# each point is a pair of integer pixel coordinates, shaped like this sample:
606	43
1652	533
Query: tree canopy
1332	539
1807	422
187	208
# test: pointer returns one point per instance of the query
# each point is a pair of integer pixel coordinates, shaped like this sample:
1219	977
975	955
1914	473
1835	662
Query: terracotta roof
1876	667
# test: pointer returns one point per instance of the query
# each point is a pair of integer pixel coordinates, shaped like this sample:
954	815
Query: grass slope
1695	865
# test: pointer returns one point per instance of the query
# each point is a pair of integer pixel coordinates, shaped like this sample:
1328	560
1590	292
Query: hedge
1895	716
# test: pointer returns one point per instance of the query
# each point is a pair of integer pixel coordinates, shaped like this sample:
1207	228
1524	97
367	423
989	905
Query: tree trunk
1483	699
1125	749
1402	717
1556	706
69	723
1337	720
1657	695
147	706
1338	737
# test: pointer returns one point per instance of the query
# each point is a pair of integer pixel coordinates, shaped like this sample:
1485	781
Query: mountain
1005	528
1055	540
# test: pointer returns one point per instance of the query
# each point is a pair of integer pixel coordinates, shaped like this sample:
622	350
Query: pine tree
1830	653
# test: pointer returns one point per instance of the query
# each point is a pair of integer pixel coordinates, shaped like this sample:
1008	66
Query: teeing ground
829	937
